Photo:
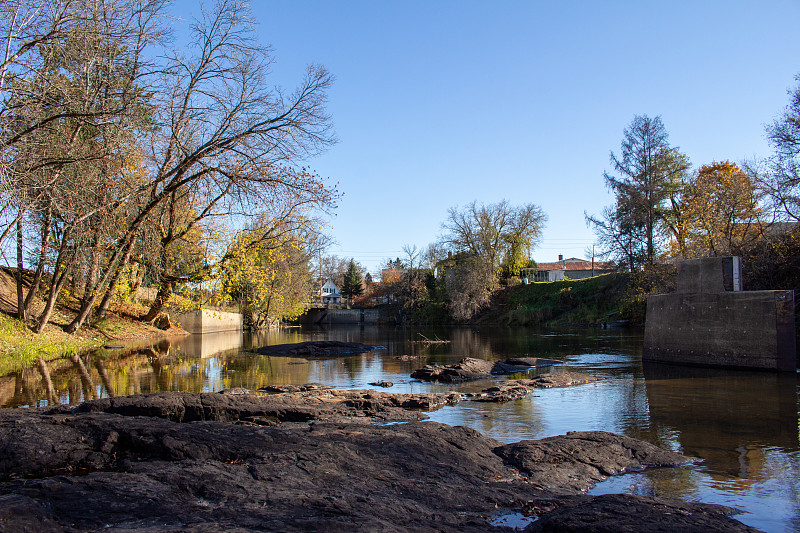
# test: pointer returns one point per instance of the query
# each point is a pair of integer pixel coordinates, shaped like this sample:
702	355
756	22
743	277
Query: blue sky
440	103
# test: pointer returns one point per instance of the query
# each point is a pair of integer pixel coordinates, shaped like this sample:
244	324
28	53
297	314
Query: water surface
742	425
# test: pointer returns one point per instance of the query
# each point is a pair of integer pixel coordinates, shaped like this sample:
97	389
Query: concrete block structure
710	321
209	321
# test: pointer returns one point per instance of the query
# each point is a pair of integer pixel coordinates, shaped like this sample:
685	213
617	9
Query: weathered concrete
709	323
208	321
340	316
141	468
710	274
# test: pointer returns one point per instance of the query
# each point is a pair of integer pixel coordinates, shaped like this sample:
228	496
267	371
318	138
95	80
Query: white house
329	293
572	268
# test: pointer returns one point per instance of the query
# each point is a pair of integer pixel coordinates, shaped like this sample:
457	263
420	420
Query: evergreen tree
352	285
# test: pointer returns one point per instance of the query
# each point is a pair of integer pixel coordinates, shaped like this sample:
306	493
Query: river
742	425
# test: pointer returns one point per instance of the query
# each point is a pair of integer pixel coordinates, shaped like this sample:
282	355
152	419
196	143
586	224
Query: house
572	268
330	293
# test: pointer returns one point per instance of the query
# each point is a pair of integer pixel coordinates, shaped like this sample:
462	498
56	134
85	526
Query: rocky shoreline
313	460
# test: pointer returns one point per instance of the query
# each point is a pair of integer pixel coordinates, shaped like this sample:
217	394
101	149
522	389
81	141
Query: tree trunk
37	277
20	295
164	292
86	307
55	287
112	285
59	278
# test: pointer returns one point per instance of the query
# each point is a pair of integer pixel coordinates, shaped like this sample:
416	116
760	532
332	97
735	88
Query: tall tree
353	284
783	181
649	171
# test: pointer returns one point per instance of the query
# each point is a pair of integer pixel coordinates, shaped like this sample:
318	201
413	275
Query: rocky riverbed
312	460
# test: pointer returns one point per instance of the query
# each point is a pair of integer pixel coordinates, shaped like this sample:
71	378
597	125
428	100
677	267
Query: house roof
576	264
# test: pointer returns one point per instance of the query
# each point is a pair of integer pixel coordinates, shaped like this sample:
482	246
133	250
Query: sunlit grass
21	348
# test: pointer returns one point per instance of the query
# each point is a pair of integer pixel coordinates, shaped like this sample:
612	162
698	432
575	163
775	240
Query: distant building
330	293
572	268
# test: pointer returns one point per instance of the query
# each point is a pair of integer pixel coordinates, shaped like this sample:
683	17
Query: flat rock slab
574	462
86	469
625	513
316	349
303	406
470	368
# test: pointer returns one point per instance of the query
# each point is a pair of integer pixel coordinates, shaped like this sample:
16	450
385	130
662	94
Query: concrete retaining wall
710	322
208	321
729	329
340	316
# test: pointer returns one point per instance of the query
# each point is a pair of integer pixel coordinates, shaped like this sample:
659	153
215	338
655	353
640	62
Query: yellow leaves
721	210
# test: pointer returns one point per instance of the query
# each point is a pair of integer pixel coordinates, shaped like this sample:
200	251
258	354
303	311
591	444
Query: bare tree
782	181
488	232
222	129
70	100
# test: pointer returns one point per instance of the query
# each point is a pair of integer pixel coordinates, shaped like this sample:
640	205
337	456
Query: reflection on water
743	425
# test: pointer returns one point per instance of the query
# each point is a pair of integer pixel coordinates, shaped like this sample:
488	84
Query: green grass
585	301
20	348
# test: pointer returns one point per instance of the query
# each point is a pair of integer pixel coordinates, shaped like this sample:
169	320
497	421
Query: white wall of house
330	293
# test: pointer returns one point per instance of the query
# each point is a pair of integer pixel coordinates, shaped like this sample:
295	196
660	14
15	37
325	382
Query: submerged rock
314	349
171	462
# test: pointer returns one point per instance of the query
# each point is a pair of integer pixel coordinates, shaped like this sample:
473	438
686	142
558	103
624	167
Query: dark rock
501	393
303	406
626	513
381	384
558	379
409	357
315	349
572	463
235	390
465	370
521	364
295	388
516	389
105	466
470	369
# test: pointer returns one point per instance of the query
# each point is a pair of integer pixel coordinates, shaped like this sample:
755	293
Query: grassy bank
589	301
21	348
